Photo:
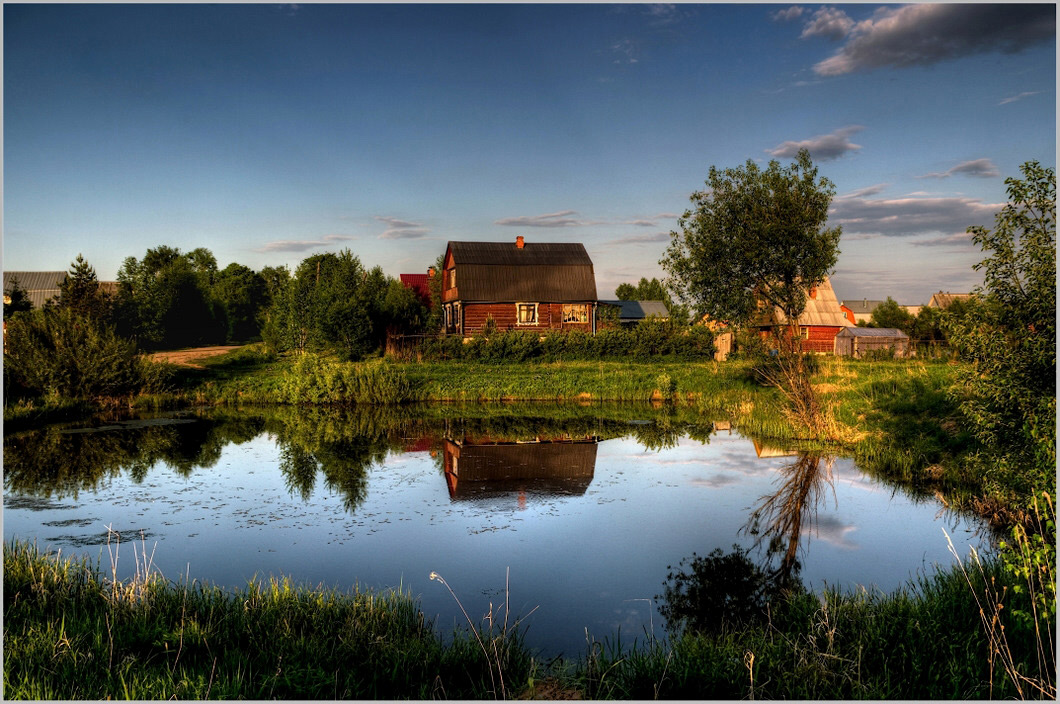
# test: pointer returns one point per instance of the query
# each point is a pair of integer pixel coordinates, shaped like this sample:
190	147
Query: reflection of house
819	323
766	452
859	342
632	312
476	470
528	286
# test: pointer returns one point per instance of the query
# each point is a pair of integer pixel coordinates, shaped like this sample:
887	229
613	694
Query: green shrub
313	380
57	352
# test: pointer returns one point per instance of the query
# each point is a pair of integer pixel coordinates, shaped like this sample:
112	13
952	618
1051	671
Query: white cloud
627	51
401	229
560	219
867	191
980	168
1021	96
824	147
787	15
909	217
918	35
303	245
830	22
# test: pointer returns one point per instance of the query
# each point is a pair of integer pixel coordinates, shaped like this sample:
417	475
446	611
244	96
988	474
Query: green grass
71	632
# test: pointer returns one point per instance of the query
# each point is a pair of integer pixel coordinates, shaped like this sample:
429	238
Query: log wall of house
822	339
549	317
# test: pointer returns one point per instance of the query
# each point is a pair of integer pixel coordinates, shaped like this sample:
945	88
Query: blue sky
269	132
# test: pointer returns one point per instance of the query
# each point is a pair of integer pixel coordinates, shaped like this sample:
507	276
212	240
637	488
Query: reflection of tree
62	461
781	518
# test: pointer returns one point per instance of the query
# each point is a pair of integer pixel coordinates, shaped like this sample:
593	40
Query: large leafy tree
758	239
752	237
1008	395
165	299
244	294
333	302
645	290
891	315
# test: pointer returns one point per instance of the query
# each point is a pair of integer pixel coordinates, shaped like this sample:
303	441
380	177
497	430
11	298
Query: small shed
860	342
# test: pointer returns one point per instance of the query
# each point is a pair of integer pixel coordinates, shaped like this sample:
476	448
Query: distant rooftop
639	310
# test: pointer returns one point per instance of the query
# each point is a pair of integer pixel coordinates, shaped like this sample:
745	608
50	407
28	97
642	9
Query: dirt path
186	357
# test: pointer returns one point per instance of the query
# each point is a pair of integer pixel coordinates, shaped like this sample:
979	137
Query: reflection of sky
585	561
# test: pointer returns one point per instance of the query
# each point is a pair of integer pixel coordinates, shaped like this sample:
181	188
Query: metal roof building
635	311
40	286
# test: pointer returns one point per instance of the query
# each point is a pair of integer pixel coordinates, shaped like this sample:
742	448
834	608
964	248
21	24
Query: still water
582	510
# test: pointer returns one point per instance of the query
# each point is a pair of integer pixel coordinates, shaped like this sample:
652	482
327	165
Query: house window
804	332
526	313
575	313
452	278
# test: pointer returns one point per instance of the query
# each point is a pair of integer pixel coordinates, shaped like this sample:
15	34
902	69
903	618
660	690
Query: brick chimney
430	272
519	242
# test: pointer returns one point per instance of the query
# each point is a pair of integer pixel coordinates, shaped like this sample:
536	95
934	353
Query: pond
574	514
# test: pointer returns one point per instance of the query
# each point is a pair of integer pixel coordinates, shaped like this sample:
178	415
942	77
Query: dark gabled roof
38	285
639	310
538	272
870	332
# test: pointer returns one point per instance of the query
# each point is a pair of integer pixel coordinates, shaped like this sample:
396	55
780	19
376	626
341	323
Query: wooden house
528	286
862	342
420	284
819	323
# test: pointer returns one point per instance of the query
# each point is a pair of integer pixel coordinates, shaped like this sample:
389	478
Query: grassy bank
894	416
72	633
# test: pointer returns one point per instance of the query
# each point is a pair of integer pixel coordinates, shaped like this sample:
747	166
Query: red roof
418	283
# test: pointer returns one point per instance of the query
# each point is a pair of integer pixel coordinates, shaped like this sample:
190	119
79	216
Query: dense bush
57	352
315	380
649	340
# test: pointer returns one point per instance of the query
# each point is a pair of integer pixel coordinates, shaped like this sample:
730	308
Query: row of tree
171	299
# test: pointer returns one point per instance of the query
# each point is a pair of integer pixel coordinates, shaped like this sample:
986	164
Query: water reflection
475	469
782	518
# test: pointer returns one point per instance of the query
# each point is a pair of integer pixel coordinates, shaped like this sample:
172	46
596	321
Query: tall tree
1008	396
244	294
755	238
645	290
80	291
891	315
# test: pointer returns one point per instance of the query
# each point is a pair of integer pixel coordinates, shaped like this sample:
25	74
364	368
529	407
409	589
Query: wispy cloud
626	51
643	239
788	14
1021	96
401	229
829	22
561	219
980	168
303	245
919	35
824	147
662	14
867	191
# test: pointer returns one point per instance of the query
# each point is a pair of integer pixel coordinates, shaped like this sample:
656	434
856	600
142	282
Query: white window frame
518	308
576	312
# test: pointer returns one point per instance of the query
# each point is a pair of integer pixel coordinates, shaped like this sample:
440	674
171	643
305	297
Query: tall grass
67	637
